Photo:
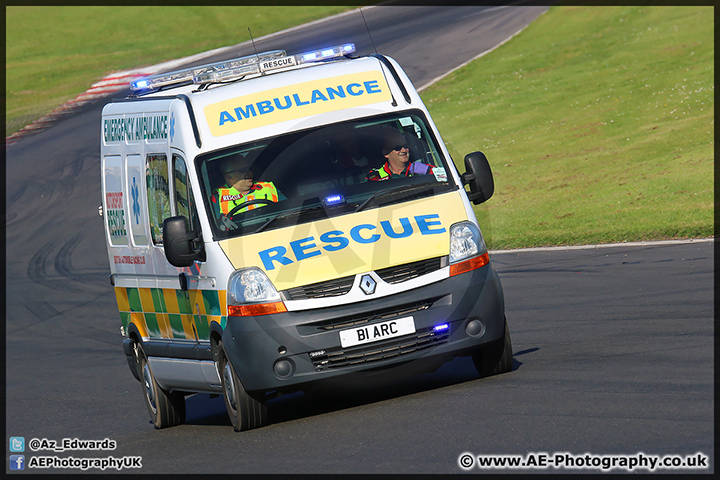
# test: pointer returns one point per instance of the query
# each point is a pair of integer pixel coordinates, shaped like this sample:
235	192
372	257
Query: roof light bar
239	67
214	72
235	68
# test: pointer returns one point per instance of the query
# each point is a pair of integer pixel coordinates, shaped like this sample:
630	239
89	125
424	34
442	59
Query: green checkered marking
176	324
210	299
183	302
158	300
134	299
212	302
125	319
152	325
203	330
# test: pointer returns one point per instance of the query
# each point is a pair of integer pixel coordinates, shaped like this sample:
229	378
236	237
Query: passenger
240	188
398	165
350	155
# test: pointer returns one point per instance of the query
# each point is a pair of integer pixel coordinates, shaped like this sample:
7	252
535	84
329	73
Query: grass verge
598	123
54	53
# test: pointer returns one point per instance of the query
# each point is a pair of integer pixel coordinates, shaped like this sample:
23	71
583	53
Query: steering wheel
257	201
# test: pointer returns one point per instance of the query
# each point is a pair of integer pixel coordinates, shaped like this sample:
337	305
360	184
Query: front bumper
288	350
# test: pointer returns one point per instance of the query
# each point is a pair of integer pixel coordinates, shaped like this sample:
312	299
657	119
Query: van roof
289	93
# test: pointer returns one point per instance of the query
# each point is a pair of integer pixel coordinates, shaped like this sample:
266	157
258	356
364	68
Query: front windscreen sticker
440	174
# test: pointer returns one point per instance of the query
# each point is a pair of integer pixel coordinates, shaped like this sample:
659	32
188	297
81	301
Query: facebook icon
17	462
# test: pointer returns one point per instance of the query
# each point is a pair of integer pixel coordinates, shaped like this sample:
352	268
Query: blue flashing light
441	328
333	200
140	84
327	53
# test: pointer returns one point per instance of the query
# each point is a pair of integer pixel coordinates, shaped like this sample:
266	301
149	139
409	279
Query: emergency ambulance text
135	128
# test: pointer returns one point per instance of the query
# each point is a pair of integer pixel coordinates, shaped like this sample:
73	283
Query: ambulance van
263	240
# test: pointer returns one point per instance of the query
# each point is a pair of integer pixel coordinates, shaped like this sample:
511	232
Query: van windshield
322	172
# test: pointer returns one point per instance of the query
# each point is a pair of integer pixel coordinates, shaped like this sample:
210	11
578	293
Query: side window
158	194
114	209
184	200
135	192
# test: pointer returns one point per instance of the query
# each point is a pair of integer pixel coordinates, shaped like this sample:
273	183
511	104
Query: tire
245	411
495	358
166	409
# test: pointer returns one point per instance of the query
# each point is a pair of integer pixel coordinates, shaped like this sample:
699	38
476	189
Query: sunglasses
237	173
397	148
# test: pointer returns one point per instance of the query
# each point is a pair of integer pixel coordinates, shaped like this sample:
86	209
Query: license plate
377	332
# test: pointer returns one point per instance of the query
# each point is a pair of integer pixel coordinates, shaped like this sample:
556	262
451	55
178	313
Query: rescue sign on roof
277	63
296	101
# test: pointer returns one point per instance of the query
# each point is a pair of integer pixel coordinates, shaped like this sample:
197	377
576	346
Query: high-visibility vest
230	198
411	169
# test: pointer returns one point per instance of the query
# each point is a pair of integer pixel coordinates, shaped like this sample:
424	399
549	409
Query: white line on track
607	245
482	54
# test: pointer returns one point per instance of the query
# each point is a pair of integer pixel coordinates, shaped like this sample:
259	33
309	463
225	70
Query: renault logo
367	284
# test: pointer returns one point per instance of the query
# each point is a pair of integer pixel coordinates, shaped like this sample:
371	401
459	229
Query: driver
398	165
239	187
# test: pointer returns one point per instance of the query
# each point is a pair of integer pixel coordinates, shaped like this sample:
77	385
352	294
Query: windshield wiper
294	213
402	188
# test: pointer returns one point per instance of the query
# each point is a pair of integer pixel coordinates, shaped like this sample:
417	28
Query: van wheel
245	412
166	409
495	358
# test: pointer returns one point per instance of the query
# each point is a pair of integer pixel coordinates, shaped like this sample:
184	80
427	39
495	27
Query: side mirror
182	248
479	176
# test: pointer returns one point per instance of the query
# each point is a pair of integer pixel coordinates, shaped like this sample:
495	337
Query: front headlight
465	241
250	292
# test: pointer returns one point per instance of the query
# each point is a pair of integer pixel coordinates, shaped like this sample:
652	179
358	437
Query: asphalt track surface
613	346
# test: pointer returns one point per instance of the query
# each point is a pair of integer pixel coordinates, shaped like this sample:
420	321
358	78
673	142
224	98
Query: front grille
366	317
339	358
402	273
341	286
330	288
